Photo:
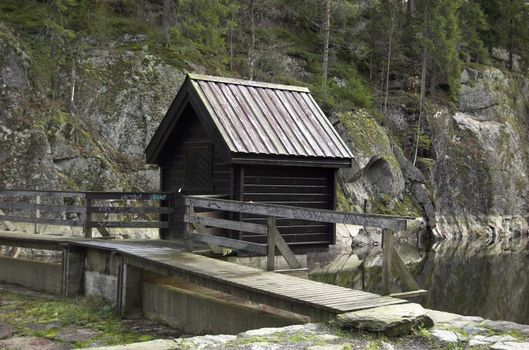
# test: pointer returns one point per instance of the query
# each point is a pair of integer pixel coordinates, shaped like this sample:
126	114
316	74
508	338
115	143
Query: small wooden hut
252	141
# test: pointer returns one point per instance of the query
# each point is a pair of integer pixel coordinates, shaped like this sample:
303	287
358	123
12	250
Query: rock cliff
470	177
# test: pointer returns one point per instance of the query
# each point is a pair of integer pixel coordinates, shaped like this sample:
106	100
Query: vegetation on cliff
85	83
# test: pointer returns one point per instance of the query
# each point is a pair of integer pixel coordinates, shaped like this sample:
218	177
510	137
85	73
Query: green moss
25	313
23	14
342	202
408	206
423	333
279	338
365	133
373	345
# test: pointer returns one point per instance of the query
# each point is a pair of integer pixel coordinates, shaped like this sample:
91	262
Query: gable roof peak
233	81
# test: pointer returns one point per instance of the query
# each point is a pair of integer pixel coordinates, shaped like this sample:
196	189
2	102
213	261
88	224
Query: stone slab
392	320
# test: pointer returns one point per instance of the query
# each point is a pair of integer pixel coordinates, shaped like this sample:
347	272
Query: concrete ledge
196	309
31	274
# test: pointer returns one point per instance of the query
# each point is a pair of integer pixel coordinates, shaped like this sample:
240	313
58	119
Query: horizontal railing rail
396	223
99	210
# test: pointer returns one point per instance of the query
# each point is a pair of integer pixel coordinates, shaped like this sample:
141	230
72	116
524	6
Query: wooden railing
89	210
199	223
104	210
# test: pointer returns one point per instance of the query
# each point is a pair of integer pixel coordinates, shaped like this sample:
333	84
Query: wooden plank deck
318	300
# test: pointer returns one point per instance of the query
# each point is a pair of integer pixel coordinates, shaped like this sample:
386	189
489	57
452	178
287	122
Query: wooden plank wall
173	167
296	186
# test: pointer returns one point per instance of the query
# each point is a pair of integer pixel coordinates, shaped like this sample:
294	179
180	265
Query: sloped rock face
25	154
124	95
481	171
121	94
475	184
378	180
374	158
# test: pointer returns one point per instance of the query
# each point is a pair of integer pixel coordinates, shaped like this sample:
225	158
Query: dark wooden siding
190	131
296	186
173	158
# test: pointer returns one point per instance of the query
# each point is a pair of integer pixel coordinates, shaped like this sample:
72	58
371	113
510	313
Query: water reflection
467	276
478	277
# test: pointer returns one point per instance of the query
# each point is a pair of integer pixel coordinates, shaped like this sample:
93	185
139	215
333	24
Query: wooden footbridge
176	259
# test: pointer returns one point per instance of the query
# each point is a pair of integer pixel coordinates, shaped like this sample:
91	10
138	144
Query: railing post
37	215
88	230
271	238
189	211
387	253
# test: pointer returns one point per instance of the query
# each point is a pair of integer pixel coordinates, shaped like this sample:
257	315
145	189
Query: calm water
478	277
470	277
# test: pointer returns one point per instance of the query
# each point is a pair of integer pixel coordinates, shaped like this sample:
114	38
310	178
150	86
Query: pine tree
440	37
473	24
202	28
508	27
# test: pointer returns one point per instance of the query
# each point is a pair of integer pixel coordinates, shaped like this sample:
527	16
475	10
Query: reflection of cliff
473	277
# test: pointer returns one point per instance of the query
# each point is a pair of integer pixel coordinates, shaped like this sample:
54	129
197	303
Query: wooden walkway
320	301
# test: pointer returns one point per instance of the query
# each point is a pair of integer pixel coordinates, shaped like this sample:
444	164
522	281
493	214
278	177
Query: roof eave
303	161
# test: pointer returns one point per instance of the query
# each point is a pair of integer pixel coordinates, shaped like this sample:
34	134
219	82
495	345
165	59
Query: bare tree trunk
73	77
390	47
371	66
410	7
423	82
252	43
326	39
231	48
382	79
53	50
433	83
166	22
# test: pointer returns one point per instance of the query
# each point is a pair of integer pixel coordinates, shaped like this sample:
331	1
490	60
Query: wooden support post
286	251
189	241
37	215
120	290
72	271
270	260
88	230
387	250
129	290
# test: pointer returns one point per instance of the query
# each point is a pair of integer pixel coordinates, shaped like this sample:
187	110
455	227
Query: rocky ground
451	331
31	320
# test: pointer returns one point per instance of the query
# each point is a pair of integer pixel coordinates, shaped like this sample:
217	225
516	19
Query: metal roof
268	119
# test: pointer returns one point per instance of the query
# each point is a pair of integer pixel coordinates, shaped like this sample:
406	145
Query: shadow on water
475	277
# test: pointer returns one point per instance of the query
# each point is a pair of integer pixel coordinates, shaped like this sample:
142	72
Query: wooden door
199	168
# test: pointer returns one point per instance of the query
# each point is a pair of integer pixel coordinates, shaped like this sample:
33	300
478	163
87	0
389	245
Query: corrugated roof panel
272	133
274	115
219	114
269	119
